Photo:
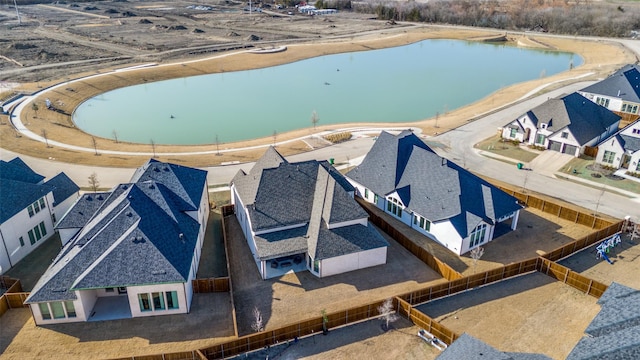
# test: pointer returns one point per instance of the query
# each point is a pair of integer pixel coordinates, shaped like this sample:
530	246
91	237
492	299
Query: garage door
569	149
555	146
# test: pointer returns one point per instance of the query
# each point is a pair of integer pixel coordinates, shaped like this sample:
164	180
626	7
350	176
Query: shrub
338	137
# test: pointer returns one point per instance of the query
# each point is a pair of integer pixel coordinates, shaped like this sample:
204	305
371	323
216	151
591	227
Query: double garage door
568	149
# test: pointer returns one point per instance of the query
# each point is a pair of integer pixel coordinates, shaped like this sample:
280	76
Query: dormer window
564	135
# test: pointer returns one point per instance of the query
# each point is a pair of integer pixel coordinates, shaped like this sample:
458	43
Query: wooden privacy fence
424	321
211	285
13	298
591	151
184	355
226	250
571	278
583	242
287	333
418	251
560	211
227	210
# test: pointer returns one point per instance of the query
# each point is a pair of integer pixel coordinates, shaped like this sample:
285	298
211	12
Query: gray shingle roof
623	84
19	187
140	234
63	188
429	185
585	119
629	143
307	196
82	210
615	332
469	348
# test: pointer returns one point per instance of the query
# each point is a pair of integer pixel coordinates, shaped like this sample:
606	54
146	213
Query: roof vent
151	186
89	198
138	240
181	237
100	197
124	187
130	197
129	214
80	212
166	169
156	169
158	272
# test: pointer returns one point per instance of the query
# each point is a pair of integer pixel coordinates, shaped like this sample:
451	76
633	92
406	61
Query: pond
401	84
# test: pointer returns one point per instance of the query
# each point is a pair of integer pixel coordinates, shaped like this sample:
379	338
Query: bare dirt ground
65	42
531	313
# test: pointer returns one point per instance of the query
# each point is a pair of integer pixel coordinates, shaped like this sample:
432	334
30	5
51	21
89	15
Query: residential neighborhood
436	239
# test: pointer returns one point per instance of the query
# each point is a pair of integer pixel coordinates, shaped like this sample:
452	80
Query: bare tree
217	146
256	325
153	147
275	136
314	119
44	135
95	145
476	254
94	183
388	312
437	116
325	321
115	136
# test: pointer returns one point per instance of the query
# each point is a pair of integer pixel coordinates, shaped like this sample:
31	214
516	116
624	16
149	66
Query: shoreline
59	127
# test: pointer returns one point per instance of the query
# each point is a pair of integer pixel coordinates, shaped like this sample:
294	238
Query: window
513	133
602	101
564	135
543	126
43	229
540	139
30	210
638	166
477	236
44	311
158	301
608	157
422	222
172	300
41	203
394	207
37	231
53	218
36	207
375	198
316	266
629	108
21	241
32	239
366	193
143	299
109	290
636	131
70	308
57	310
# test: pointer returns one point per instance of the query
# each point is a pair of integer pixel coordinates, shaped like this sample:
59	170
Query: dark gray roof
19	187
82	210
585	119
629	143
623	84
63	188
308	197
140	234
615	332
469	348
429	185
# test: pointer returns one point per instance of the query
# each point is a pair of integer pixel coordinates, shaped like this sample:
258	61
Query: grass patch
586	168
338	137
500	146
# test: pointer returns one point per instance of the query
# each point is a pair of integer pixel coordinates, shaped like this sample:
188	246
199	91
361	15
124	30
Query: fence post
566	275
589	288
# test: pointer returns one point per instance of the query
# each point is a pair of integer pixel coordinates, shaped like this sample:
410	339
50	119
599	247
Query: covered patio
111	308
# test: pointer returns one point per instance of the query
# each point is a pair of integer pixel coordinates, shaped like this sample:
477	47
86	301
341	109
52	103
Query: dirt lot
530	313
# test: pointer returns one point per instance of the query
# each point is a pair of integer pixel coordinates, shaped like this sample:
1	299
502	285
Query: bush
338	137
634	174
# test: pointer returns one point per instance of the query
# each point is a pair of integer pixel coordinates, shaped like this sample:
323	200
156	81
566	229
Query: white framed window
638	166
394	206
540	139
513	133
421	222
564	135
477	235
608	157
366	194
158	301
57	310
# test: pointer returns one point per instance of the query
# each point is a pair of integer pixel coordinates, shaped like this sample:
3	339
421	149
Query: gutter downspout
4	245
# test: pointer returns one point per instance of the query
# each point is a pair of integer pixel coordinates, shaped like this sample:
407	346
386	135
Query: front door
625	161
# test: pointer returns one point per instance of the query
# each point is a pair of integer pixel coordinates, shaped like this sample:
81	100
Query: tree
217	146
35	109
94	183
95	145
325	321
115	136
256	325
476	254
314	119
388	312
44	135
153	147
275	136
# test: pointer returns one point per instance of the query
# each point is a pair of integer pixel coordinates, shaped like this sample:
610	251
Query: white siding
610	145
570	140
355	261
60	209
444	233
67	234
81	314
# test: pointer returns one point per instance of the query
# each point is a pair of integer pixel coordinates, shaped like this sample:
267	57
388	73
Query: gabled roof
614	332
19	187
139	234
469	348
585	119
63	188
82	210
629	143
306	198
429	185
623	84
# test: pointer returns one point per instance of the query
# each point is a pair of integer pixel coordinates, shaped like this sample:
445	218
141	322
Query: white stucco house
29	208
622	150
402	176
302	216
129	252
566	124
619	92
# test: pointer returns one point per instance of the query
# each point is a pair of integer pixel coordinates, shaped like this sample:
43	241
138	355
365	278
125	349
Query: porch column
514	222
492	229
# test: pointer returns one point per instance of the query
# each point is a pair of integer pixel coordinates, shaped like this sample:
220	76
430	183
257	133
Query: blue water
401	84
